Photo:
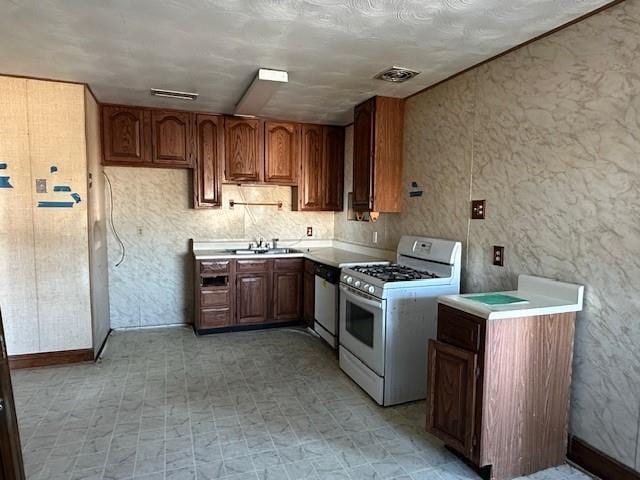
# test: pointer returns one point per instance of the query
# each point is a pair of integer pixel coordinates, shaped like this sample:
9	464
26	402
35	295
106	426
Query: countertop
328	255
544	297
339	258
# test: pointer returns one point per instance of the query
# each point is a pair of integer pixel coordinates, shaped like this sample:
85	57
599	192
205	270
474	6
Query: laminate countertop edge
544	297
334	257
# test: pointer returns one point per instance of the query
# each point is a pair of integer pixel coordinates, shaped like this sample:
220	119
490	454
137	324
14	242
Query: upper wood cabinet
230	149
321	169
146	137
209	156
125	135
333	168
282	152
244	149
377	155
171	140
311	181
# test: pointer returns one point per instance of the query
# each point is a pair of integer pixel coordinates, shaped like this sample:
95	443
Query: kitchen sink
264	251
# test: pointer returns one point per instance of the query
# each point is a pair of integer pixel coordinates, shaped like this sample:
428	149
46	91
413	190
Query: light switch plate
498	256
478	208
41	185
309	231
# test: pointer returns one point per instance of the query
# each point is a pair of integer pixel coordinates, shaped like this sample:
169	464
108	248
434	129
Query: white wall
549	135
44	291
154	285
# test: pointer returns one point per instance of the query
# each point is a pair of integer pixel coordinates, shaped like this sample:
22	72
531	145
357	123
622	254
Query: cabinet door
252	292
208	162
451	395
171	138
309	297
333	168
287	296
311	171
244	149
363	124
282	153
125	135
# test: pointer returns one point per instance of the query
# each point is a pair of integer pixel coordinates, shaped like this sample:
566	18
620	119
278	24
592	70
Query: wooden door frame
11	464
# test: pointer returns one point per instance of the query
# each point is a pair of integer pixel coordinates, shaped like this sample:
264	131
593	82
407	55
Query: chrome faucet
274	242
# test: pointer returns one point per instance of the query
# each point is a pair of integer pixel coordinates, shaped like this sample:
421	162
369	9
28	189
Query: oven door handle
361	298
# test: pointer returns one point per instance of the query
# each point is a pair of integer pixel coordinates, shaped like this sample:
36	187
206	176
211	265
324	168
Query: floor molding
598	463
47	359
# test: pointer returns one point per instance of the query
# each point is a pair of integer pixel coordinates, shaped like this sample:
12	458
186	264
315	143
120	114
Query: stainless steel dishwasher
327	303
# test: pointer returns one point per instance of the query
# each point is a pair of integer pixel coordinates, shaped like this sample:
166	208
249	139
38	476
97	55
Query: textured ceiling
330	48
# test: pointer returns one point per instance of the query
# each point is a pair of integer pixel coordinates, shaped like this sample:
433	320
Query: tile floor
265	405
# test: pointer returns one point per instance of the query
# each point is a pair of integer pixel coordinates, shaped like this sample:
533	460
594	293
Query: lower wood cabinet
248	292
287	296
452	378
498	390
252	297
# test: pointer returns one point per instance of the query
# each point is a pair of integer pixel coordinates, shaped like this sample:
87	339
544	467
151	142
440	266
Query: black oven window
360	323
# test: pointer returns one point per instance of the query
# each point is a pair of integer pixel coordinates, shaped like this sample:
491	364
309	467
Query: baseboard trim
47	359
598	463
96	354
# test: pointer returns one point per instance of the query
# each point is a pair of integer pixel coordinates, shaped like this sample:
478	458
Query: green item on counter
496	299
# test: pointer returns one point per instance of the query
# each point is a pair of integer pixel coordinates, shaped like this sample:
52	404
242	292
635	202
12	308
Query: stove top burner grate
394	273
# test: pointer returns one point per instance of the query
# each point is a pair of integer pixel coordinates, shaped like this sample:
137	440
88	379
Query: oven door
362	327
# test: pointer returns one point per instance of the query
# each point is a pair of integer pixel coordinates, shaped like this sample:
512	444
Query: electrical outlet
375	237
478	208
309	231
498	256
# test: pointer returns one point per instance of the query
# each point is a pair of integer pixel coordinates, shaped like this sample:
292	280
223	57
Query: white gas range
388	314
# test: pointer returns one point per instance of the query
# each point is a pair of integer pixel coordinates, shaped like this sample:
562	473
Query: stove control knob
349	279
371	289
357	284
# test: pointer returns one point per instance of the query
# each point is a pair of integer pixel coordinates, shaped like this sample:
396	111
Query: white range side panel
17	262
415	312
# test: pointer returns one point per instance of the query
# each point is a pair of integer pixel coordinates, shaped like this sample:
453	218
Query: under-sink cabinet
238	293
498	390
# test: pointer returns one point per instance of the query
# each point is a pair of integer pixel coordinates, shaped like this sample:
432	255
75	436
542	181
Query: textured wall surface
332	49
154	284
45	271
17	256
550	136
97	222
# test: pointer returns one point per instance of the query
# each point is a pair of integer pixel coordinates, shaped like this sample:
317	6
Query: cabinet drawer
215	298
219	266
288	264
459	328
215	317
252	265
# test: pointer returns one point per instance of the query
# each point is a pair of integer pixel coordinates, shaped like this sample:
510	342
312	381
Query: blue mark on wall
4	181
51	204
64	189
